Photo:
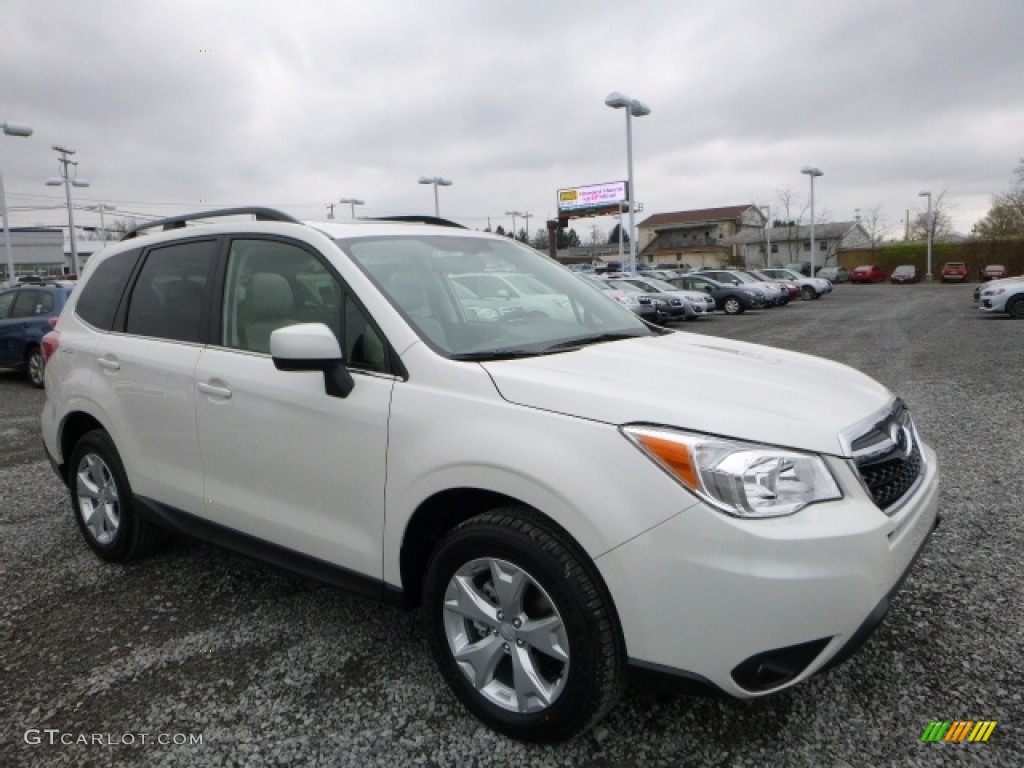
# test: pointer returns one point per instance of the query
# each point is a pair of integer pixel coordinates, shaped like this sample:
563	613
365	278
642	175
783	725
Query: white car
810	287
566	498
1006	295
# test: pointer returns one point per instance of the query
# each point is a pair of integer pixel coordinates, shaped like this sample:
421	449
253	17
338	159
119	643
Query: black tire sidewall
574	708
98	442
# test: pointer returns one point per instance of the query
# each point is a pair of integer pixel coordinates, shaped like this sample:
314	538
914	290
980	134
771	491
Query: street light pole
68	179
633	108
813	173
437	181
10	129
352	202
767	234
102	207
513	214
931	226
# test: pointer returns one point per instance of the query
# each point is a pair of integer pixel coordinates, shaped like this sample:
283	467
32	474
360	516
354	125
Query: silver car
696	304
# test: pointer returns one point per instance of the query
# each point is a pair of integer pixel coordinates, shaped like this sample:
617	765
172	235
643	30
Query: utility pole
330	210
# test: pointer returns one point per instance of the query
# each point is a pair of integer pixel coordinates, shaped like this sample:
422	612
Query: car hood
699	383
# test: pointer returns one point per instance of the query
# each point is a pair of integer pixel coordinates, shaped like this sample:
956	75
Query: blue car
27	313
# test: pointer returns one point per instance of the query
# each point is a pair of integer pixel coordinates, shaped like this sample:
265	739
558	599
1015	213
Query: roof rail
415	219
178	222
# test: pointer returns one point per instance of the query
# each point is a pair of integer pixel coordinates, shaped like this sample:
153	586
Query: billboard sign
596	198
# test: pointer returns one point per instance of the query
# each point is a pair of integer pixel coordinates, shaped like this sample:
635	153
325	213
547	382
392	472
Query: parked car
640	304
905	273
786	284
867	273
994	272
808	287
1006	295
567	499
835	274
775	294
955	272
695	305
27	313
731	299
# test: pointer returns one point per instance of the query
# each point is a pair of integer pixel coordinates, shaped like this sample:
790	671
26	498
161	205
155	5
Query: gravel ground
270	669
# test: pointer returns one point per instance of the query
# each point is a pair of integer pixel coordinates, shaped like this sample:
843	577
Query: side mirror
312	347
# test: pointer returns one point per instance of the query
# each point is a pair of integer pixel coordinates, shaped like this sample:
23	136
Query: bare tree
940	222
1006	216
874	224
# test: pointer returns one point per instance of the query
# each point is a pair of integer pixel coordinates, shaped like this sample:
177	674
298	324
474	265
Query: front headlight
742	479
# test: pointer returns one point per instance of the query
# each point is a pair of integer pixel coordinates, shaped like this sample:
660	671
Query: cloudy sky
178	106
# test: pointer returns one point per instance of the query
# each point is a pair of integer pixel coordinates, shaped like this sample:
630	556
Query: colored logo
958	730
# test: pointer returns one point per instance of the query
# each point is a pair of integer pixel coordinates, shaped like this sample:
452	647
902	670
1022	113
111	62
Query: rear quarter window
103	290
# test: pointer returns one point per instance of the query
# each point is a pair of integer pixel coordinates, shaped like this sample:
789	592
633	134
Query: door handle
110	365
214	391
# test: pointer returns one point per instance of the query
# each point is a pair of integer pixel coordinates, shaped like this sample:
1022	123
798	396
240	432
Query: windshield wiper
598	338
495	354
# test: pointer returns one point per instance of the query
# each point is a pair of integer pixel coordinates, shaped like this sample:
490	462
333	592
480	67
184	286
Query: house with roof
786	244
699	237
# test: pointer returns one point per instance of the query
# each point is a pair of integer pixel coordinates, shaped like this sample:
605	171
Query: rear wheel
35	366
522	628
103	502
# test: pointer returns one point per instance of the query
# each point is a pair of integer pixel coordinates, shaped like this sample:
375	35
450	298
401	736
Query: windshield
478	298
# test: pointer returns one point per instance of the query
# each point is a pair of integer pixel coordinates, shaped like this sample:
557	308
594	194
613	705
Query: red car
867	273
954	271
994	272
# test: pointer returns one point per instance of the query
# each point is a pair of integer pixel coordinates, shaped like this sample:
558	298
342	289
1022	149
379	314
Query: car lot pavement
100	663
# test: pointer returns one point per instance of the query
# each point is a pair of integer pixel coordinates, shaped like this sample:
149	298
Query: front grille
888	458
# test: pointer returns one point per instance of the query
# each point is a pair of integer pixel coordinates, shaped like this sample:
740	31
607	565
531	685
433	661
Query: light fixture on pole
437	181
813	173
102	208
352	202
10	129
68	171
767	234
513	214
633	108
931	226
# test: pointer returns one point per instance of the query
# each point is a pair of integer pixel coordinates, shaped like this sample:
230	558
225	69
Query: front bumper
710	598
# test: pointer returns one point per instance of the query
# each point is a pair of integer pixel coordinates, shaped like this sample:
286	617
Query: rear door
25	322
144	375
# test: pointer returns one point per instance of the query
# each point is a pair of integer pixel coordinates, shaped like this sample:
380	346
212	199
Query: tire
732	306
807	293
533	685
102	500
1015	307
35	367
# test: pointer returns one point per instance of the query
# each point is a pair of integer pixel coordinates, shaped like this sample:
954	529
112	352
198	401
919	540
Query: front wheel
103	502
732	306
1015	307
807	293
522	628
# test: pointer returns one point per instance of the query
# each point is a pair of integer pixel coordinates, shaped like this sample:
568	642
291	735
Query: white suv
563	496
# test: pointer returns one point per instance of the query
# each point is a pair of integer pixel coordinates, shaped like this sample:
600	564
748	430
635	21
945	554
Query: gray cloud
297	105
